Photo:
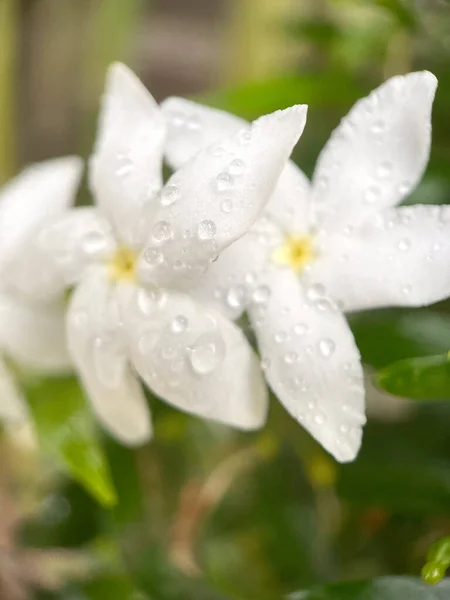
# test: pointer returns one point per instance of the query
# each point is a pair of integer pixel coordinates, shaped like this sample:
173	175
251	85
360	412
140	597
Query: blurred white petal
126	167
97	347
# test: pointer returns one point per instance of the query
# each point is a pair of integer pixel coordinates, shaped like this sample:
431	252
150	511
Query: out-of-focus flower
340	237
31	312
135	257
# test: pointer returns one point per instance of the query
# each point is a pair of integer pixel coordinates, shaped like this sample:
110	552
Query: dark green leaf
423	378
385	336
384	588
66	431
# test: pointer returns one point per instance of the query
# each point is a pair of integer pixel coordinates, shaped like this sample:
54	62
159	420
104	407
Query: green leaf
384	588
251	100
67	432
385	336
423	378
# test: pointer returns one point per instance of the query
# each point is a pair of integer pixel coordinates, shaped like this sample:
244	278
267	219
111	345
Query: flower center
296	252
122	264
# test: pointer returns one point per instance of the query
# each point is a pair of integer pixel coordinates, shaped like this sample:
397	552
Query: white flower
135	257
31	320
340	237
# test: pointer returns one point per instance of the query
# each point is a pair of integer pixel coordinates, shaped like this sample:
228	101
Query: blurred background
204	512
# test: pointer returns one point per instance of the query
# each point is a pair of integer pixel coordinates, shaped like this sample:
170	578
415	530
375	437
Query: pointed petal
400	259
195	359
98	351
39	192
126	167
312	363
377	154
34	334
12	405
193	127
214	199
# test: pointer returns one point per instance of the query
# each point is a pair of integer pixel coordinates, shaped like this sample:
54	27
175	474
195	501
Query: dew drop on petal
384	169
300	329
290	358
226	205
265	364
404	244
378	127
206	230
153	256
224	182
162	231
326	347
236	297
179	324
280	337
316	290
320	419
372	194
237	167
169	195
261	295
94	242
207	353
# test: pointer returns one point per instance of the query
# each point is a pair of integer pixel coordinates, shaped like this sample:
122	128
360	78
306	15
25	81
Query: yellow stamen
296	252
122	264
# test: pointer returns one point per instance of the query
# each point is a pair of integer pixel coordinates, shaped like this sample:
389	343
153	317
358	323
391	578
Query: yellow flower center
296	252
122	264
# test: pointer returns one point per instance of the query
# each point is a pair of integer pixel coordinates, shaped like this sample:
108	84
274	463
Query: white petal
400	259
195	359
377	154
214	199
12	405
232	281
41	191
98	350
126	168
312	363
74	241
193	127
34	334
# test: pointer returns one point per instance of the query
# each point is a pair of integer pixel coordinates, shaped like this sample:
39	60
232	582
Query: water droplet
404	187
206	353
125	169
236	297
404	244
250	278
406	290
168	352
179	324
94	242
290	357
206	230
280	337
378	127
372	194
217	150
162	231
320	419
153	256
169	195
261	295
315	291
145	302
300	329
344	428
324	305
237	167
224	182
312	404
265	364
226	205
384	169
244	137
193	123
326	347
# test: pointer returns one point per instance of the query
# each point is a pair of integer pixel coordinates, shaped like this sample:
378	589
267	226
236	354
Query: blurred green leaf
385	336
403	12
422	378
8	50
251	100
318	31
384	588
67	432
